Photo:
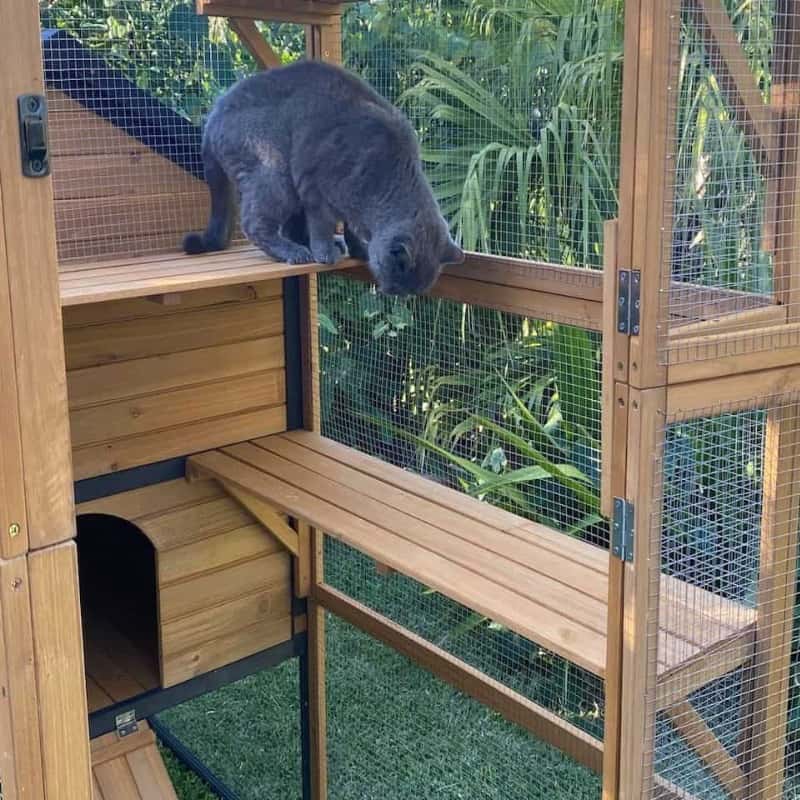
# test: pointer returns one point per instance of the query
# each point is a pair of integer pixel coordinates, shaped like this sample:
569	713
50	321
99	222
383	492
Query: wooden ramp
130	768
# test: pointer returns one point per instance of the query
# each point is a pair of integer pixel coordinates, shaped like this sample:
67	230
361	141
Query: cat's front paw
299	255
325	252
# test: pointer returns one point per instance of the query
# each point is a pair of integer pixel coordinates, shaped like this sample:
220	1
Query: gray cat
310	145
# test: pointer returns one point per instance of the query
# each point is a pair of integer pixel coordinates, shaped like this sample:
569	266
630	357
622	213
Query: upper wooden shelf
172	273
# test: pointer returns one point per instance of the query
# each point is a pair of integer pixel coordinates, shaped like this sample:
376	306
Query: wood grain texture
255	42
60	672
30	260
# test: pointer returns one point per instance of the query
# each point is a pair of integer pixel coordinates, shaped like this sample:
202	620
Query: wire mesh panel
730	249
518	110
502	407
724	704
394	731
128	85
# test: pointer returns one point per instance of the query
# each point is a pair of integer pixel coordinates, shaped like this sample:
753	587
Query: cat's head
407	260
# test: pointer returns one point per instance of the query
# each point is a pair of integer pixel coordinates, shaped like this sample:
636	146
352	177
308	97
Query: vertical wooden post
639	647
769	698
32	275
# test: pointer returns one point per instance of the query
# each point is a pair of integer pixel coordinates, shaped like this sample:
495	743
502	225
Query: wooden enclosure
180	398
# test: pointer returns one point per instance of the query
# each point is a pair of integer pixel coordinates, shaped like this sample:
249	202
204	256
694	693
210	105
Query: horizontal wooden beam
766	316
301	12
515	708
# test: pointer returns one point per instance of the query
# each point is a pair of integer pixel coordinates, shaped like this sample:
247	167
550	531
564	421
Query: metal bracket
623	530
32	112
628	301
126	724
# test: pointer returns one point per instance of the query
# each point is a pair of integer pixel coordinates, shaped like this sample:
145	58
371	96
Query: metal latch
622	530
126	724
32	110
628	301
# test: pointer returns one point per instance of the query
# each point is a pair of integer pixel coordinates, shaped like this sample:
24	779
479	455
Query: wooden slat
30	267
700	738
530	619
94	385
140	415
317	672
20	742
300	12
110	747
256	44
539	588
226	650
196	436
302	563
194	630
741	321
203	592
150	774
543	724
214	552
132	339
116	780
59	671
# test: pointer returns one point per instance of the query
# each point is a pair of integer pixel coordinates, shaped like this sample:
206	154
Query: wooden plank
586	647
499	543
317	666
640	613
203	592
194	523
543	724
60	672
12	484
109	673
150	774
736	79
110	747
96	696
30	267
120	419
215	552
309	352
536	276
94	385
153	500
300	12
132	339
693	729
253	40
178	441
274	522
116	781
194	630
226	650
776	602
20	744
560	598
302	563
741	321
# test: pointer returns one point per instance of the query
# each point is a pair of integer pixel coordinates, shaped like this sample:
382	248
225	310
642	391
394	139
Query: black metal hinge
126	724
623	530
32	112
628	301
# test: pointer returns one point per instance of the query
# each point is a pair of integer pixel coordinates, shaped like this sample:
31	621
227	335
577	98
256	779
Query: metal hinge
628	301
622	530
126	724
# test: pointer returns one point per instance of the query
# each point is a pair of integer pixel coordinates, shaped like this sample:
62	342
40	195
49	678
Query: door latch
32	110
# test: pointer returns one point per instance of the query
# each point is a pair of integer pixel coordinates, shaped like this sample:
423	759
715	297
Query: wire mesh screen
732	167
725	705
501	407
128	85
517	106
395	731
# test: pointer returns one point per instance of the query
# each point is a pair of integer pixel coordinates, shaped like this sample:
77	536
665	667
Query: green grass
395	732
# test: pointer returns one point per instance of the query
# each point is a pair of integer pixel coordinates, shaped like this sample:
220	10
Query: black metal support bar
127	479
188	758
149	703
293	354
305	725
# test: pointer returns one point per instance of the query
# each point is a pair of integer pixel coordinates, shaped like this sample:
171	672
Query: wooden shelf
168	274
544	585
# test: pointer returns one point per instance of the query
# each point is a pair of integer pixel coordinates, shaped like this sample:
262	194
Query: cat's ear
452	254
400	255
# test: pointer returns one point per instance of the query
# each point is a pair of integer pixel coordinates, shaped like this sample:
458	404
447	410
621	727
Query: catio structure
226	515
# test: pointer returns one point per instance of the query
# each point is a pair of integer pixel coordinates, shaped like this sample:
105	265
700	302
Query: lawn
395	733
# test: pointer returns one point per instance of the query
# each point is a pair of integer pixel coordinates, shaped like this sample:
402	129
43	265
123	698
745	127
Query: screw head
14	529
33	104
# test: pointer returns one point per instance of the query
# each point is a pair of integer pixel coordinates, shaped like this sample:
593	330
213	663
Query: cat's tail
217	235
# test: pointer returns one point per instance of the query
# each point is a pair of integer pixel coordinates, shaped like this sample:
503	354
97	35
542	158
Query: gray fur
310	145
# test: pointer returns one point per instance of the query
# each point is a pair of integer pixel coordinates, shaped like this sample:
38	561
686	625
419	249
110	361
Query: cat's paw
341	245
325	252
299	255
